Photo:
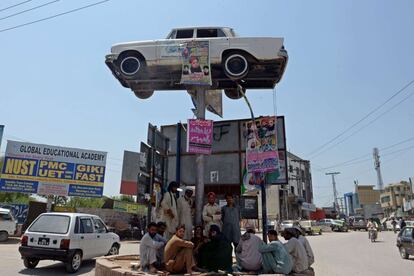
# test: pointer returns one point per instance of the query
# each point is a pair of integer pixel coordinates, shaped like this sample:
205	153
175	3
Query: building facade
393	198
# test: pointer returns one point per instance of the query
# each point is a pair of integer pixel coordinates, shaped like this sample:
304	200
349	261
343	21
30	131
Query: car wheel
4	236
234	93
74	263
143	94
403	253
30	262
235	66
131	64
114	250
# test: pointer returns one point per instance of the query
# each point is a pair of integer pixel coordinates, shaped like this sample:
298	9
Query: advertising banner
50	170
261	151
199	136
130	172
196	63
129	207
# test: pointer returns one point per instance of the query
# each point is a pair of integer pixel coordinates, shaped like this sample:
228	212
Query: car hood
116	48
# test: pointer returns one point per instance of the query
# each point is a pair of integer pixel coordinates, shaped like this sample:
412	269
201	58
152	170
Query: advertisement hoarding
195	59
51	170
199	136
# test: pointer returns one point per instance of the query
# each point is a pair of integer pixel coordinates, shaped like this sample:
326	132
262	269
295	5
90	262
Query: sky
345	59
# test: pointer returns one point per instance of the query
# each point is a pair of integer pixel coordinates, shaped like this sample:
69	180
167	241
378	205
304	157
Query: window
55	224
5	216
292	189
99	226
210	33
172	34
408	233
186	33
86	225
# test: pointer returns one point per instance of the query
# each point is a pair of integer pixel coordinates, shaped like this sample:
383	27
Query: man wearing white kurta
149	249
169	209
211	213
185	204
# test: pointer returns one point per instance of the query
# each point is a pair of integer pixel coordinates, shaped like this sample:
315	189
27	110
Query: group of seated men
214	253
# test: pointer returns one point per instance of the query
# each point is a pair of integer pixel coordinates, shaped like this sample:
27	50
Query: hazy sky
345	59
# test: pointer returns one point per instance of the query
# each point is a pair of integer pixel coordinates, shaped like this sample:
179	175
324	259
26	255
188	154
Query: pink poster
199	136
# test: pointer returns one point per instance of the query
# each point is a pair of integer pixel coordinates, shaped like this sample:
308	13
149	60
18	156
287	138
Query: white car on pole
67	237
252	62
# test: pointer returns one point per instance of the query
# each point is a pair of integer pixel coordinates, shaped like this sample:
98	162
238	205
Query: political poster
261	151
195	59
199	136
51	170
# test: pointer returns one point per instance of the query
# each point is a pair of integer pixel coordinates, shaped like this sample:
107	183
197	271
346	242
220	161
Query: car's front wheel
30	262
235	65
131	64
74	262
114	249
403	253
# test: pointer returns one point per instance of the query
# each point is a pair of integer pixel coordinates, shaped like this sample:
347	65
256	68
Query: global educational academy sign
50	170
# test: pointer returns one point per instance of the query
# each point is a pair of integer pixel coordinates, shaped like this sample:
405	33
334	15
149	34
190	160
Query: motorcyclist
372	228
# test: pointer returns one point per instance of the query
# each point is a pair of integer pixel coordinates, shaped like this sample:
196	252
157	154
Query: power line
362	119
53	16
31	9
18	4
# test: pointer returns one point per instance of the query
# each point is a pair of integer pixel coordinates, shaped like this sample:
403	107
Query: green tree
85	202
125	198
15	198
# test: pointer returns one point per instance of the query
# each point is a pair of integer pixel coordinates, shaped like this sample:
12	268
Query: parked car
359	223
67	237
326	222
339	226
405	242
286	224
145	66
409	222
310	227
7	224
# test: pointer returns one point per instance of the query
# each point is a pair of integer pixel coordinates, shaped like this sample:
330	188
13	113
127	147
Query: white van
7	224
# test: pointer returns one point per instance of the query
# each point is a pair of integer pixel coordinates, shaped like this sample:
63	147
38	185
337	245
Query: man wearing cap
247	252
185	205
297	252
211	213
169	209
304	241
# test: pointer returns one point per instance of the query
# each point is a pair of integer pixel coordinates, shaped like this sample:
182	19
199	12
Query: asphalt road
336	254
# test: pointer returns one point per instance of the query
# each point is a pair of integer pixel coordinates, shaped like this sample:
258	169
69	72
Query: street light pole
199	189
336	205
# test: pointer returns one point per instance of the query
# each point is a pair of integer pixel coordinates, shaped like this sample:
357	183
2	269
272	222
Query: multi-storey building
393	197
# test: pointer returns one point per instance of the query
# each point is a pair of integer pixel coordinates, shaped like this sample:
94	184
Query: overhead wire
361	120
53	16
28	10
15	5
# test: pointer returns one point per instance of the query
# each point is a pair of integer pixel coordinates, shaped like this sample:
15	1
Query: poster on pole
261	151
51	170
199	136
195	59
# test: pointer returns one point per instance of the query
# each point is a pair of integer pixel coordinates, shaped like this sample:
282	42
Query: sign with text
199	136
196	63
261	151
50	170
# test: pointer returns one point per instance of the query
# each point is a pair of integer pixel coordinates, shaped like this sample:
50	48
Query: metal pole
199	189
152	176
49	203
178	155
264	213
336	205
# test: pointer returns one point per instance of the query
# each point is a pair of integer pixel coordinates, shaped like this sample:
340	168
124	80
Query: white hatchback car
67	237
7	224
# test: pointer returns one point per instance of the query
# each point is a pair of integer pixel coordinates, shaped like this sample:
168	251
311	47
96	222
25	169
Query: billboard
51	170
199	136
131	174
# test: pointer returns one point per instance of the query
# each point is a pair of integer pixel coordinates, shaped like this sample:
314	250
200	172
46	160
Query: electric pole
336	205
377	166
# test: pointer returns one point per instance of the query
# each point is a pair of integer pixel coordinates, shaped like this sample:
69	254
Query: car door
86	237
406	238
103	238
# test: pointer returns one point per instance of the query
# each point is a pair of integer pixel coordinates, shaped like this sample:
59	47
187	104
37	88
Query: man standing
211	213
169	209
247	252
297	252
185	204
231	221
149	250
178	253
275	257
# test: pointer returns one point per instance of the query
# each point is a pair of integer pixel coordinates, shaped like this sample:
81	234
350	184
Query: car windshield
55	224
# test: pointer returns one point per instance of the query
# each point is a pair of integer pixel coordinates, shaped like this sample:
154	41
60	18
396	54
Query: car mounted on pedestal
252	62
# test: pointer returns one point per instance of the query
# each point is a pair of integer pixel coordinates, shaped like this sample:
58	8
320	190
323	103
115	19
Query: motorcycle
373	234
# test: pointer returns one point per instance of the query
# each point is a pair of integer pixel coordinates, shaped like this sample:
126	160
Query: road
336	254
